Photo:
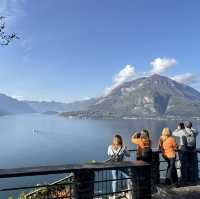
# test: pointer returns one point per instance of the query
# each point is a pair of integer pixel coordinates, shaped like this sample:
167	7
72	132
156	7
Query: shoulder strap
119	151
116	154
189	133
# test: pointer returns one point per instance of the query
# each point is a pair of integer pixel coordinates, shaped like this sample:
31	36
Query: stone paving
189	192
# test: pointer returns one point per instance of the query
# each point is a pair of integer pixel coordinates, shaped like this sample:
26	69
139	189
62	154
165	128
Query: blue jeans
118	174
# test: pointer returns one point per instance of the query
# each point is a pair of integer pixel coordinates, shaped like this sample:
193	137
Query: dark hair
188	124
145	133
181	125
137	134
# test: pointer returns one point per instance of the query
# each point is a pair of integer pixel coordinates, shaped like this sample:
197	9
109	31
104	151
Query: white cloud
160	65
18	97
26	44
186	78
13	10
127	73
12	7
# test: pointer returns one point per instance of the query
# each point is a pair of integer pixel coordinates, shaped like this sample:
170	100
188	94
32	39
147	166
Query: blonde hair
117	140
165	134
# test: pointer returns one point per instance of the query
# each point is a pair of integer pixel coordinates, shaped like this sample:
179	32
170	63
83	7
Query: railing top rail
59	169
157	150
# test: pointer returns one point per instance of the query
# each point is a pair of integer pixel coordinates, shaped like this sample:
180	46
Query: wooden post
141	179
84	188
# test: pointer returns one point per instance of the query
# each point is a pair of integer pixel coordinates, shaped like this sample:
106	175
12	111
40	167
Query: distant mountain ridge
154	96
147	97
45	106
9	105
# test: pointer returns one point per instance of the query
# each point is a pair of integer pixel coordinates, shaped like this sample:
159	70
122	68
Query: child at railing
117	152
143	142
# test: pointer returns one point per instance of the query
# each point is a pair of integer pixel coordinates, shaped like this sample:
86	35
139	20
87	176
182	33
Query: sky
73	49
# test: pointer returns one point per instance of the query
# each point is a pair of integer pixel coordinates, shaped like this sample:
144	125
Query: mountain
9	105
154	96
45	107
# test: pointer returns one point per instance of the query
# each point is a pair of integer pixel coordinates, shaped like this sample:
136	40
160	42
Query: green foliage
11	197
22	196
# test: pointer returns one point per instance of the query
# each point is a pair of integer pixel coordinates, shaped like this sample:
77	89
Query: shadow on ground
192	192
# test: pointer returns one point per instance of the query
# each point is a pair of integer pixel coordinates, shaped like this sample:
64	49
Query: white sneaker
112	197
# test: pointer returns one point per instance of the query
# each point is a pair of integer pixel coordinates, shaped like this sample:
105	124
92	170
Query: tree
5	38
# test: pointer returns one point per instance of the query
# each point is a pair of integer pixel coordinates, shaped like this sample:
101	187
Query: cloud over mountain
160	65
127	73
186	78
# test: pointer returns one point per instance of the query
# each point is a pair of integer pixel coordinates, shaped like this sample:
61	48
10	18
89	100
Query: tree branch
6	38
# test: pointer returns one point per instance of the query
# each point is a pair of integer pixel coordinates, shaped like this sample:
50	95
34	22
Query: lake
36	140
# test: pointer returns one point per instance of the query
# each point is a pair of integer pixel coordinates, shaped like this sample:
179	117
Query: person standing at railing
117	152
168	147
192	166
143	142
182	160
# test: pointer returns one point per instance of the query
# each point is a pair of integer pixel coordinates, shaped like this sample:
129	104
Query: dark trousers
192	166
171	175
146	157
183	166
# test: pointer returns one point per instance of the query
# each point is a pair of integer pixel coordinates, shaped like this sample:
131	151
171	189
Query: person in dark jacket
192	166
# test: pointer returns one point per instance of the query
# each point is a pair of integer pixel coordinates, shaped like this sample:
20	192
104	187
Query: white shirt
121	151
181	134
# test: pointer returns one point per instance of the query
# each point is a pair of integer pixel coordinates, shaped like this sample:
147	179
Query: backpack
191	139
146	154
117	157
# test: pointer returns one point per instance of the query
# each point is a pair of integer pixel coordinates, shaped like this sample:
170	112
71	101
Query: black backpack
146	154
191	140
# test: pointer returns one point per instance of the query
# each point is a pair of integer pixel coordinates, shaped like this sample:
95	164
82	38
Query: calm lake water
61	141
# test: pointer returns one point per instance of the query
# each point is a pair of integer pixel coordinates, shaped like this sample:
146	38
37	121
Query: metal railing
99	180
163	163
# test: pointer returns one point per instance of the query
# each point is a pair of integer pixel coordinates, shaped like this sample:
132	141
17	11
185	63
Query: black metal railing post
141	179
155	171
84	188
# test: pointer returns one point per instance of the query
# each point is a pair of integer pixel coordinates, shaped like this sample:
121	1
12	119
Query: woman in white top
117	152
180	136
182	156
